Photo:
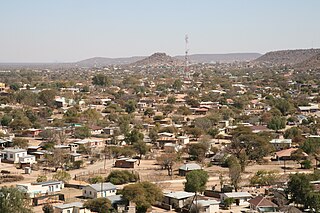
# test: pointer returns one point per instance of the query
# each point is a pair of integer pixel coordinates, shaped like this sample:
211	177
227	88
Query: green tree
47	208
264	178
82	132
47	97
41	178
62	176
101	80
196	181
143	194
228	202
5	120
122	177
20	142
235	174
177	84
198	150
299	187
96	179
277	123
171	100
134	136
141	148
130	106
13	200
100	205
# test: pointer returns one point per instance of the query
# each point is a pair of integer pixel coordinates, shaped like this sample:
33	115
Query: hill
311	63
101	61
288	57
222	58
158	59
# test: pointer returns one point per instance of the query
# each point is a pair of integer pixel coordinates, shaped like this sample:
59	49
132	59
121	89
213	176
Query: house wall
53	188
91	193
67	210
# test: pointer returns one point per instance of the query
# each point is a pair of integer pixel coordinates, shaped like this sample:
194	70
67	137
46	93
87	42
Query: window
90	193
85	191
57	186
68	211
11	155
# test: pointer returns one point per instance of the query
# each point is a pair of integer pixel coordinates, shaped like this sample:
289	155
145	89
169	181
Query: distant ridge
101	61
222	58
287	57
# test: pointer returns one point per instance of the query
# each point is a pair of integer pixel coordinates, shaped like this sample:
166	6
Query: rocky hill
288	57
311	63
158	59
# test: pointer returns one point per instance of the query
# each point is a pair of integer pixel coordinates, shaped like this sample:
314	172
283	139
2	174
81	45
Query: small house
188	167
99	190
208	206
280	144
51	186
240	198
75	207
13	155
178	199
125	163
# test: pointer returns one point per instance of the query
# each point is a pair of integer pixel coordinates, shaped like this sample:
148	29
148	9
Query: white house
28	159
241	198
13	155
51	186
209	206
75	207
178	199
280	144
99	190
41	188
183	140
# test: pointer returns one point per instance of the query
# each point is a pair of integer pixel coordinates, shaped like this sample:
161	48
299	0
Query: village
154	136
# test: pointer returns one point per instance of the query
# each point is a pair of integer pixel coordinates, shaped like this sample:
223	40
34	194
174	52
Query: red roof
260	201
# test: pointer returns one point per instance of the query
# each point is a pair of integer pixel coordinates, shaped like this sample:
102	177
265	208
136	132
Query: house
183	140
312	108
178	199
75	207
188	167
41	188
163	140
27	160
125	163
280	144
261	204
108	131
75	157
286	154
96	130
51	186
13	155
92	143
32	132
241	198
208	206
99	190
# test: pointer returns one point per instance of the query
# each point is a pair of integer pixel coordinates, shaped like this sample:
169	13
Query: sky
72	30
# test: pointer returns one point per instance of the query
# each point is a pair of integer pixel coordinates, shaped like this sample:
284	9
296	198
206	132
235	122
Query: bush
121	177
10	178
306	164
42	178
96	179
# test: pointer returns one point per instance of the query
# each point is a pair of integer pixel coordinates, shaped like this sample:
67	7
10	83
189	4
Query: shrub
121	177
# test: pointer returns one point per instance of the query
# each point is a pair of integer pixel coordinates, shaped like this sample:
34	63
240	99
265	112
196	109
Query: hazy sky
71	30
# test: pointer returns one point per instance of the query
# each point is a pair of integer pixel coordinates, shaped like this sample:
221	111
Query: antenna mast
186	57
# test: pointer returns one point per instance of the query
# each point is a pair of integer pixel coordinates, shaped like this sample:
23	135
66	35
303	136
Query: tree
13	200
264	178
167	160
82	132
100	205
149	112
143	194
41	178
171	100
228	202
130	106
5	120
196	181
177	84
58	159
198	151
235	174
47	208
96	179
134	136
62	176
299	187
101	80
141	148
277	123
47	97
20	142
